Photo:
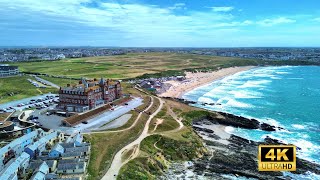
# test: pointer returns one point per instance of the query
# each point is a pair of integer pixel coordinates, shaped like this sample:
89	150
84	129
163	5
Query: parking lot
48	121
42	101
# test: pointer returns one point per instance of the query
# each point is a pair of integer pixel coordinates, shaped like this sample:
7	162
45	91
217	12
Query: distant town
50	54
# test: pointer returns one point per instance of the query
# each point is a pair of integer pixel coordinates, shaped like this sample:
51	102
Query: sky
160	23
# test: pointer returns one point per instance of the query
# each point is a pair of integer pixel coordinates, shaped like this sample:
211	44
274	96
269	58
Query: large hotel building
88	94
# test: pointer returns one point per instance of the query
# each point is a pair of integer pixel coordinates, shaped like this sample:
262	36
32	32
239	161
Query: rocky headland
231	156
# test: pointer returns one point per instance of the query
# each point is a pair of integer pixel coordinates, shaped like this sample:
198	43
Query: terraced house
88	94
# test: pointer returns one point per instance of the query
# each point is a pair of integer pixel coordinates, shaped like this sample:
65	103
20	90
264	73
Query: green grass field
59	81
18	87
129	65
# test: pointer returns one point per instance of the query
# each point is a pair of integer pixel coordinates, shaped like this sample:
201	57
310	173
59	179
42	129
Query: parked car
84	122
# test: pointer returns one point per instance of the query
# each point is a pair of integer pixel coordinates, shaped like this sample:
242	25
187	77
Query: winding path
175	117
117	160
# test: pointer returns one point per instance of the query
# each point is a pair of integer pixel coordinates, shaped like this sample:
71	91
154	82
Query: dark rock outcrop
239	156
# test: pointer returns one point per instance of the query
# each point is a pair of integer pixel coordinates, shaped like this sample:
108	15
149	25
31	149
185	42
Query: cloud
222	8
275	21
88	22
178	6
316	19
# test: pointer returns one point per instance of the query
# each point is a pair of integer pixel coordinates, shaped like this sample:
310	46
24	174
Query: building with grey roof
16	147
39	146
6	70
75	138
40	172
67	155
71	168
52	164
56	151
67	145
16	165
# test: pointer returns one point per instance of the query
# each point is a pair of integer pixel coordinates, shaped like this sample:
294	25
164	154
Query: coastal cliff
230	155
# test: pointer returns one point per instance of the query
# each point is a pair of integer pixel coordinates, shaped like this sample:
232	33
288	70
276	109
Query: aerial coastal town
159	90
87	125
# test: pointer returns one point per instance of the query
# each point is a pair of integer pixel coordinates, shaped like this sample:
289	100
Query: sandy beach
194	80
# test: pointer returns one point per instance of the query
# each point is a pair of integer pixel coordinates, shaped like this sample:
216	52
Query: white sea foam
273	122
250	83
245	94
235	103
296	78
229	129
305	144
276	77
281	72
205	100
308	175
298	126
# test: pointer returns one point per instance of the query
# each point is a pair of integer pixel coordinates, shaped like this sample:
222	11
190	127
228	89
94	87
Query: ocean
286	96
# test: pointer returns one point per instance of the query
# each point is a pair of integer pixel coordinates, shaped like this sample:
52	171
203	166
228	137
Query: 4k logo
277	158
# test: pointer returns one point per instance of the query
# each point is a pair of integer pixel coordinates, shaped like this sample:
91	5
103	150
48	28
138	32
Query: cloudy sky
160	23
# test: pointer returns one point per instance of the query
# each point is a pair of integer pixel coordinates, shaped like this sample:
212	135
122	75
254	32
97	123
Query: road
117	160
48	82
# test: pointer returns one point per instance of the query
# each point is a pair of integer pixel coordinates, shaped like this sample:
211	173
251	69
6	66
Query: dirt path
175	117
117	160
159	121
155	146
126	129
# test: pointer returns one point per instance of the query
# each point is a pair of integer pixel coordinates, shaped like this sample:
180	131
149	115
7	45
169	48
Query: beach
194	80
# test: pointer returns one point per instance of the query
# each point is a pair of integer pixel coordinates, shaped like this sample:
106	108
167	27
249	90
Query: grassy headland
167	144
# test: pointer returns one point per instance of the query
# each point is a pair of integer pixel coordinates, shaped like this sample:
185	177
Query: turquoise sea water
286	96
